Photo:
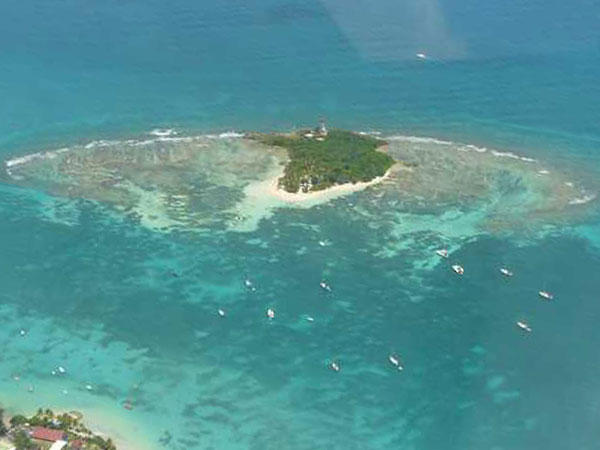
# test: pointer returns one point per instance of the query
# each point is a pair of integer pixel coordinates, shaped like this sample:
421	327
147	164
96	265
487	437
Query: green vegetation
70	423
319	161
22	441
3	429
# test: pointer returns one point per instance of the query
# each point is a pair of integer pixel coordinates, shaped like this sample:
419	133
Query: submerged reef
232	181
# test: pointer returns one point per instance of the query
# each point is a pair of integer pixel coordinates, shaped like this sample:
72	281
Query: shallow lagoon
128	303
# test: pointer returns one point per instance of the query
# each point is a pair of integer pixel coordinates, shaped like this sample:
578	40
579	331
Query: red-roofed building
47	434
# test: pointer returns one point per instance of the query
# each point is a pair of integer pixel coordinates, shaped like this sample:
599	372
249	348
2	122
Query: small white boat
221	312
546	295
421	56
325	286
334	366
270	313
442	253
249	284
23	332
395	360
322	243
524	326
88	387
61	370
310	319
507	273
458	269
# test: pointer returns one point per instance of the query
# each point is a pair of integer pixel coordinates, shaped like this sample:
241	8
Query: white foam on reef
33	156
457	145
163	132
226	135
418	140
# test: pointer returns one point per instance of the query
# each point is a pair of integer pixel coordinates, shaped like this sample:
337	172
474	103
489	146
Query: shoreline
99	424
262	197
331	192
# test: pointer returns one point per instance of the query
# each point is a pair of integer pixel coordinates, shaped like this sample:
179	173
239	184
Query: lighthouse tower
322	128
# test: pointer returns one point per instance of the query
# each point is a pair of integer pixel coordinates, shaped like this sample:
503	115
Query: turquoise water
131	309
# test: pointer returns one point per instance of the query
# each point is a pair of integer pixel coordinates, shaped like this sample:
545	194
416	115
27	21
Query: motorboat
395	360
270	313
524	326
507	273
249	285
421	55
221	312
458	269
546	295
325	286
442	253
334	366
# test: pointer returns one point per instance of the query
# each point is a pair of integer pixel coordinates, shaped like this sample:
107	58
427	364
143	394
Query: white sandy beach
335	191
262	197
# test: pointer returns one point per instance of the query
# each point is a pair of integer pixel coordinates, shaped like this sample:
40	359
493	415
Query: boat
524	326
442	253
310	318
507	273
546	295
249	285
421	56
395	360
221	312
334	366
325	286
458	269
270	313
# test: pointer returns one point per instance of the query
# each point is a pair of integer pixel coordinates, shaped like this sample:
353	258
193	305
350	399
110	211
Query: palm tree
3	429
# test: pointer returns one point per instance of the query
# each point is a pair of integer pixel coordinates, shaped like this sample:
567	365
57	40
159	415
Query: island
48	430
320	159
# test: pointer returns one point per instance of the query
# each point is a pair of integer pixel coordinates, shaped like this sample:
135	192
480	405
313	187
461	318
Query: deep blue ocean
130	312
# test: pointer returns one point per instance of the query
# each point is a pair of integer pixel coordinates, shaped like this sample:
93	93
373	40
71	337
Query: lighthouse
322	128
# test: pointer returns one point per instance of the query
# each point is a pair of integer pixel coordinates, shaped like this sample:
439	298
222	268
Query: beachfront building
44	436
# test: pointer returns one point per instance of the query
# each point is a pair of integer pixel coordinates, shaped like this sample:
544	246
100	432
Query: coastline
272	189
100	423
262	197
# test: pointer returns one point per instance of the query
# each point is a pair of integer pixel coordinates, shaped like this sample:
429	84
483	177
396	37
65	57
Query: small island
49	430
320	159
